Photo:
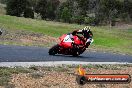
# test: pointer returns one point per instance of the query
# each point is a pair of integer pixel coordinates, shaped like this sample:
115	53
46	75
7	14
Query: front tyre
54	50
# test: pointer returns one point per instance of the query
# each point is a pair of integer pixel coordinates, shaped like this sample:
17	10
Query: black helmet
87	32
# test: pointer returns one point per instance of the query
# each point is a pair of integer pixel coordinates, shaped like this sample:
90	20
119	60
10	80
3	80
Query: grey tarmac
10	53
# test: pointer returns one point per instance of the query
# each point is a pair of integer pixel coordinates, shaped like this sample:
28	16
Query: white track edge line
54	63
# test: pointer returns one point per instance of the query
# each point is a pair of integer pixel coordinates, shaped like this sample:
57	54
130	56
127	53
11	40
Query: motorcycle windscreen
62	37
66	41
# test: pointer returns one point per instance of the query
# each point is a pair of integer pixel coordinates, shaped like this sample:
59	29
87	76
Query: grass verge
5	74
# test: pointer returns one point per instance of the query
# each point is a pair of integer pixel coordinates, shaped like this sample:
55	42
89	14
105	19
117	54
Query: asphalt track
10	53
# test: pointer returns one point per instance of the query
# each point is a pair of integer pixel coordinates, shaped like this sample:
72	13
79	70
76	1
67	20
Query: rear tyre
54	50
75	50
75	54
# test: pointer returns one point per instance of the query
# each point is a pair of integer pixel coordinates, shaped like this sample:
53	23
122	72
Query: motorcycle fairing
66	41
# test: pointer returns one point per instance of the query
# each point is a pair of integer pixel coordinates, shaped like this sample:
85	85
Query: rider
85	32
87	38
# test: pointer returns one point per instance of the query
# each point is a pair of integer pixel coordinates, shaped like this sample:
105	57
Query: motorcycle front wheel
54	49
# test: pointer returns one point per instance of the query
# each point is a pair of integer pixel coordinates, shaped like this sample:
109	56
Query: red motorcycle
68	46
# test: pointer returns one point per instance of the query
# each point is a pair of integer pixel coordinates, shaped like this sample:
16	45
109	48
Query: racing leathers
86	33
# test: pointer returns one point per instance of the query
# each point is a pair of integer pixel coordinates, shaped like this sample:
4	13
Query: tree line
92	12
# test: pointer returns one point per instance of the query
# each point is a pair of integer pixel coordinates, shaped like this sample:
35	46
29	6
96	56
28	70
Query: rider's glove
90	40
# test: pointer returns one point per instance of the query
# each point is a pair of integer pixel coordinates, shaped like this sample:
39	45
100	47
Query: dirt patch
66	78
26	41
123	26
27	38
38	41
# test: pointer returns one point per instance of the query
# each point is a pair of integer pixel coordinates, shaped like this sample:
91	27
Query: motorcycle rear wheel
54	49
75	54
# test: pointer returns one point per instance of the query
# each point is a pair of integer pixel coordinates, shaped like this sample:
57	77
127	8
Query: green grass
106	38
37	75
